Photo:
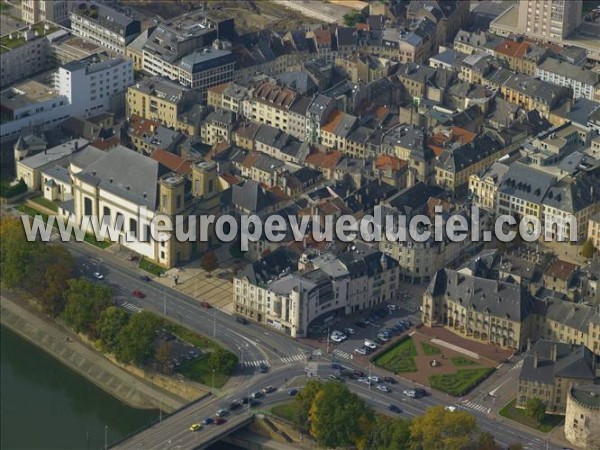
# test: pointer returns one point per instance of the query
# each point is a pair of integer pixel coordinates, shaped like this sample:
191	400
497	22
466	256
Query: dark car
205	305
358	373
420	392
244	400
394	409
242	320
361	324
293	392
389	380
139	294
336	366
234	405
220	421
263	368
254	403
145	278
208	421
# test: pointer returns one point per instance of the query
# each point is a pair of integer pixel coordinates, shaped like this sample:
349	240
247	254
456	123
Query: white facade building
561	73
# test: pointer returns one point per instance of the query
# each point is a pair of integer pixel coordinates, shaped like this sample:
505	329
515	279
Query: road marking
341	354
476	407
256	363
131	307
291	359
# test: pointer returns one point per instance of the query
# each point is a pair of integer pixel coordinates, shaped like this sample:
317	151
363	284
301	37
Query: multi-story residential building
483	187
34	11
417	45
205	68
583	82
530	93
160	99
549	20
26	52
363	67
149	135
317	114
470	43
262	168
490	311
270	103
218	127
521	56
550	370
594	230
229	96
102	25
272	291
456	164
450	16
409	144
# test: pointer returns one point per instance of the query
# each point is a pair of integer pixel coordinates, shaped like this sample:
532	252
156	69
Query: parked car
358	373
254	403
242	320
145	278
394	409
392	307
98	276
293	392
139	294
234	405
208	421
205	305
269	389
370	344
244	400
256	395
389	380
360	351
349	331
361	324
375	379
222	412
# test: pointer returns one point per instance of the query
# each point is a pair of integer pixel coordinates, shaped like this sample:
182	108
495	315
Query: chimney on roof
553	352
535	360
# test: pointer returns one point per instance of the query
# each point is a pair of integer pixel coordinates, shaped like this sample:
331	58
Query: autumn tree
111	321
305	399
54	281
209	261
17	255
440	429
588	249
486	441
389	434
85	301
536	409
134	340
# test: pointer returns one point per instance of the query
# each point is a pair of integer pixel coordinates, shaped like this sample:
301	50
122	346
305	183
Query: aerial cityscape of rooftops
366	224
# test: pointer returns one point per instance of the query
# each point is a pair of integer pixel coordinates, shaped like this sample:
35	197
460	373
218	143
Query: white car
410	393
392	307
360	351
375	379
383	388
370	344
451	408
337	338
98	275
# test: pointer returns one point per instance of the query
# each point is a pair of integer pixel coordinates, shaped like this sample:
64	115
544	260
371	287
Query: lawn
430	350
510	411
399	358
199	371
459	383
459	361
91	239
286	411
41	200
32	212
191	337
154	269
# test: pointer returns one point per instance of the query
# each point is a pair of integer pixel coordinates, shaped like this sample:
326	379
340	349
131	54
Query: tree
222	361
163	356
134	340
440	429
486	441
389	434
536	409
515	446
209	261
588	249
352	18
339	418
55	282
17	255
85	301
111	321
305	398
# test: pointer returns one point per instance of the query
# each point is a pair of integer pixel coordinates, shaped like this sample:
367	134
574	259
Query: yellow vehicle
195	427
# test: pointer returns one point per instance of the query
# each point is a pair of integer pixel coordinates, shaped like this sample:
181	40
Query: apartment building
218	127
26	52
289	294
229	96
489	311
270	103
561	73
483	186
159	99
205	68
550	370
105	26
520	56
594	230
530	93
34	11
549	20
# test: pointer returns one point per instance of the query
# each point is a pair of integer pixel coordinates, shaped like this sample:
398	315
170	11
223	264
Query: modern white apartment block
583	82
101	25
549	20
34	11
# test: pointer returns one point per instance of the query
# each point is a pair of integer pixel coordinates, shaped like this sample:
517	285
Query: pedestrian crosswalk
475	407
255	363
291	359
516	366
342	354
131	307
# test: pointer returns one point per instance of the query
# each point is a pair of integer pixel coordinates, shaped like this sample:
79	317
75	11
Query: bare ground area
249	15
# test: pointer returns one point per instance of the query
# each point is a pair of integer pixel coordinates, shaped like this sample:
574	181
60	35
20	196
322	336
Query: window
87	206
133	226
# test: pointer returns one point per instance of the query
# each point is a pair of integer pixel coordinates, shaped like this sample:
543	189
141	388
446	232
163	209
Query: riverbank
67	348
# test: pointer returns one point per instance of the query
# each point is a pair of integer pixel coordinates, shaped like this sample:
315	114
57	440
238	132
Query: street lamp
214	323
213	379
105	437
328	339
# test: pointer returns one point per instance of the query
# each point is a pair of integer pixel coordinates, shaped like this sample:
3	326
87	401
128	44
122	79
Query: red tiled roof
231	179
561	269
172	161
512	48
336	118
438	141
141	126
106	144
324	160
387	160
219	88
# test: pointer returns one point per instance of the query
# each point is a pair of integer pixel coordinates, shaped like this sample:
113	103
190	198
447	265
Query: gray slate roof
526	182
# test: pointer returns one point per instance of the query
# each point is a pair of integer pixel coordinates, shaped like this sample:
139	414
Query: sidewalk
76	355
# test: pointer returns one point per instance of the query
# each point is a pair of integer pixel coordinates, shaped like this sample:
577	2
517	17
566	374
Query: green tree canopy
111	321
222	361
352	18
588	249
134	341
536	409
440	429
486	441
85	301
389	434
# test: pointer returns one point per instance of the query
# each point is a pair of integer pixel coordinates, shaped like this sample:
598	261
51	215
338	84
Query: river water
44	405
